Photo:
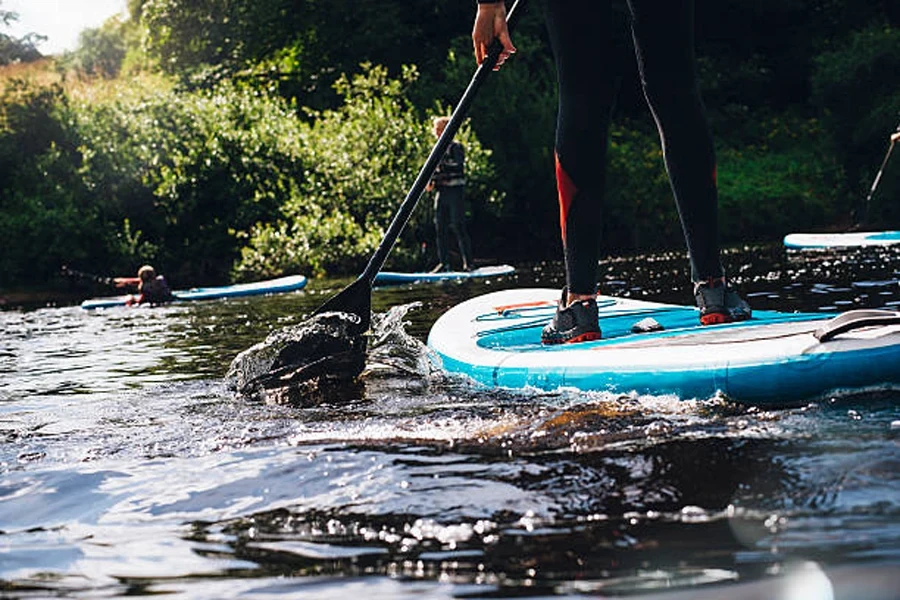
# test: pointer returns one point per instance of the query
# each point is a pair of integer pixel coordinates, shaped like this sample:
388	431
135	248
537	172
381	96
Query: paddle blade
355	299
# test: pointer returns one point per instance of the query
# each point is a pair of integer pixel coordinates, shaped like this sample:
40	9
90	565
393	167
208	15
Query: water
129	469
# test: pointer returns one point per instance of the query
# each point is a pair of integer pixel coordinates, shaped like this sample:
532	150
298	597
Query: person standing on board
580	36
449	182
152	288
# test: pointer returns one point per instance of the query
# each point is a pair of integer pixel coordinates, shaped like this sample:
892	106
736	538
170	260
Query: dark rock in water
316	361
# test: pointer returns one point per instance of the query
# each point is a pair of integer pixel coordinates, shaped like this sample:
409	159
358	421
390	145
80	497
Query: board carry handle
856	319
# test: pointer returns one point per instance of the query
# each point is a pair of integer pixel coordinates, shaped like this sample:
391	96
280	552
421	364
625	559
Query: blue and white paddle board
853	239
397	278
269	286
773	359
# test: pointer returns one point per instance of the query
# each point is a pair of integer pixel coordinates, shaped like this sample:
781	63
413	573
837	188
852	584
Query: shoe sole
590	336
715	319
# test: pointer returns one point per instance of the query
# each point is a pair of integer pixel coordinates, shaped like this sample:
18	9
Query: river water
129	469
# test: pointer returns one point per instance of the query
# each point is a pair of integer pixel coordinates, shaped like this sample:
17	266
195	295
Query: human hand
490	24
895	137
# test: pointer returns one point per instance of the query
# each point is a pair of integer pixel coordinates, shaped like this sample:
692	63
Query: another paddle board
269	286
396	278
855	239
773	359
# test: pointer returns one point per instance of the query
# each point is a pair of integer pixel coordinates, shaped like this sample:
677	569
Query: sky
60	20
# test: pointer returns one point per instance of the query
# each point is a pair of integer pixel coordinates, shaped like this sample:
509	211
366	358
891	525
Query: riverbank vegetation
234	140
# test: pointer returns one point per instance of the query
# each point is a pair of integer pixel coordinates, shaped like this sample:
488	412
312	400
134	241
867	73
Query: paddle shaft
412	198
81	274
356	298
887	156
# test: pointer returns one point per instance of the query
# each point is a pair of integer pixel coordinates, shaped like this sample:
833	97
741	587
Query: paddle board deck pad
775	358
269	286
397	278
855	239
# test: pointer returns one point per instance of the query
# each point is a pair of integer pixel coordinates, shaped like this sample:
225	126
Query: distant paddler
152	288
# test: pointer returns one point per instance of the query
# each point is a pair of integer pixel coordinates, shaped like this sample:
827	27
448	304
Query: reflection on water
129	468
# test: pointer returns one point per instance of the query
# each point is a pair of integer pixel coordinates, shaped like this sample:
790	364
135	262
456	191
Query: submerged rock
316	361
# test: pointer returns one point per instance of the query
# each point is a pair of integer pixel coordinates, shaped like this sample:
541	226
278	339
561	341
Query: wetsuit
154	291
580	32
449	212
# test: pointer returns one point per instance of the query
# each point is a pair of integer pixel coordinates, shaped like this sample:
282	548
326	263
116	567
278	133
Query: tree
101	51
17	50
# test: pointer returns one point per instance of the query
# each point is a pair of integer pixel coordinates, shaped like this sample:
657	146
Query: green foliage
191	169
785	179
300	47
209	174
639	211
100	51
359	162
45	219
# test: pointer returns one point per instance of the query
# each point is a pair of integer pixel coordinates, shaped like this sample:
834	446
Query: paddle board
396	278
269	286
854	239
775	358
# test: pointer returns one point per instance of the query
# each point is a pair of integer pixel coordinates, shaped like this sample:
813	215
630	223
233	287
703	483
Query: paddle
66	271
865	217
356	298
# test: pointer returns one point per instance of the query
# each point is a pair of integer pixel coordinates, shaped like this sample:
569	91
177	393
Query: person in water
152	288
663	34
448	183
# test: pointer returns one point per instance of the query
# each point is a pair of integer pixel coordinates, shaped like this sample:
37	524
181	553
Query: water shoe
578	322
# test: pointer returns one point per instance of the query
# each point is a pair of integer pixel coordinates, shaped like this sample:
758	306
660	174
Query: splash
392	350
326	358
317	361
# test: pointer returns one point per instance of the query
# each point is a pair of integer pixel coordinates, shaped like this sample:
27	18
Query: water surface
128	467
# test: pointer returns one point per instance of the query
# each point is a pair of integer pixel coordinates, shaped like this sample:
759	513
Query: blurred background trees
236	139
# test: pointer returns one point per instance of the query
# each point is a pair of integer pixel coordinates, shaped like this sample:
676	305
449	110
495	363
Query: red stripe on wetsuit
566	189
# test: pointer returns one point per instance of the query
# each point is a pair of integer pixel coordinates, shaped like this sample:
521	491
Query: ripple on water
129	467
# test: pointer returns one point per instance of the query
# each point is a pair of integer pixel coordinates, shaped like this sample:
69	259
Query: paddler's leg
582	50
663	35
441	231
454	198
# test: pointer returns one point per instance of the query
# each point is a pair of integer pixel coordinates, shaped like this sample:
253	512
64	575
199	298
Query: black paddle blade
355	299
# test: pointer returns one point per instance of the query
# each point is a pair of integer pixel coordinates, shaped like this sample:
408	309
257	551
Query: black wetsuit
663	32
449	211
155	291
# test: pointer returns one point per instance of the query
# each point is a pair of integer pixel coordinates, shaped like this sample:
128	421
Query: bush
359	162
191	170
100	51
783	180
45	218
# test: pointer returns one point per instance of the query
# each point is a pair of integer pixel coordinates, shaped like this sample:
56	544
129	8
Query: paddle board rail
775	358
398	278
279	285
853	239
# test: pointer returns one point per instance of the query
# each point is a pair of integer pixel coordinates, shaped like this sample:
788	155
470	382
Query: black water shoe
578	322
720	303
